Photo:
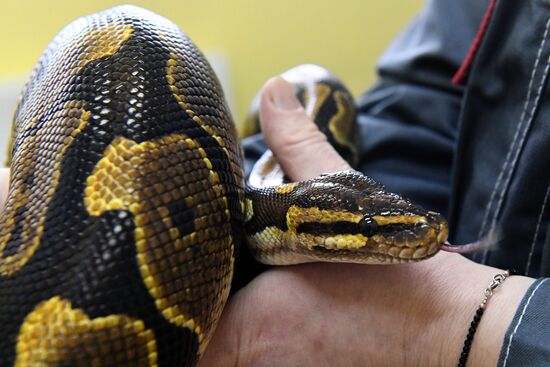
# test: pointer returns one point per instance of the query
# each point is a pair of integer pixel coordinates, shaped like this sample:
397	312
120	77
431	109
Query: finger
4	185
300	147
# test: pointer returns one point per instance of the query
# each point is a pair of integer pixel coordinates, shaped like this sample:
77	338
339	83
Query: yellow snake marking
345	241
297	215
383	220
173	69
286	188
341	124
177	73
249	209
95	44
273	246
55	334
322	91
103	42
186	74
188	274
268	165
89	45
45	174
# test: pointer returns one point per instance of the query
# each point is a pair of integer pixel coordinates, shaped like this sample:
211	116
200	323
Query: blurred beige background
247	41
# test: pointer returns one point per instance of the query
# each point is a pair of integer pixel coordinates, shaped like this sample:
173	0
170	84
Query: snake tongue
467	248
485	243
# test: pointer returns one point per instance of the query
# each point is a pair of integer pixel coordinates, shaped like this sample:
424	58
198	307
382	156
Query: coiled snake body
127	202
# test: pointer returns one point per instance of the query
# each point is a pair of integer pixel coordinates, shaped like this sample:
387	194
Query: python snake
127	201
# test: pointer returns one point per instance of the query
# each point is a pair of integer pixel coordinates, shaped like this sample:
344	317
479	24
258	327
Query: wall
249	41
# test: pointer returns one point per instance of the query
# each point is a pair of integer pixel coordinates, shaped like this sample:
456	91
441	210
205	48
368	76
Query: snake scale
127	201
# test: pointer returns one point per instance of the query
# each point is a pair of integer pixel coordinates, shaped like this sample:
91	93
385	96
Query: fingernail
285	99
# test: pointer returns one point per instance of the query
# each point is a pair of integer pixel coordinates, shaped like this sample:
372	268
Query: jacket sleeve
526	341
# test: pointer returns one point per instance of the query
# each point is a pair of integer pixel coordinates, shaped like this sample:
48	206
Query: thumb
302	150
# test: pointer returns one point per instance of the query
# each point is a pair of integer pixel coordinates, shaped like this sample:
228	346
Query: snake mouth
375	255
390	243
412	241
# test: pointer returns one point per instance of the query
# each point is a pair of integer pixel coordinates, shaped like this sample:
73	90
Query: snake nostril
368	226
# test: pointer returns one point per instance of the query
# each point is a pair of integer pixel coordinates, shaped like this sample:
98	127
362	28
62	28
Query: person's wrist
443	320
441	310
498	315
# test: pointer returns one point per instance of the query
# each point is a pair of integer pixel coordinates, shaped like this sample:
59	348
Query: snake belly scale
127	202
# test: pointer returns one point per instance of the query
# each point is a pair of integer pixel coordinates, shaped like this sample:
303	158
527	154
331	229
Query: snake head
349	217
365	223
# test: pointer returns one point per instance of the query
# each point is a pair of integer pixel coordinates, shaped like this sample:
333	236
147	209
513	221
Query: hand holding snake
127	202
348	315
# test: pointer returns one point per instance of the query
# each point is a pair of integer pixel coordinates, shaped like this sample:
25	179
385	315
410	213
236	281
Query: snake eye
368	226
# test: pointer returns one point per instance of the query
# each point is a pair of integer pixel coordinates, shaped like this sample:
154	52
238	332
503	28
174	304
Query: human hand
354	315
